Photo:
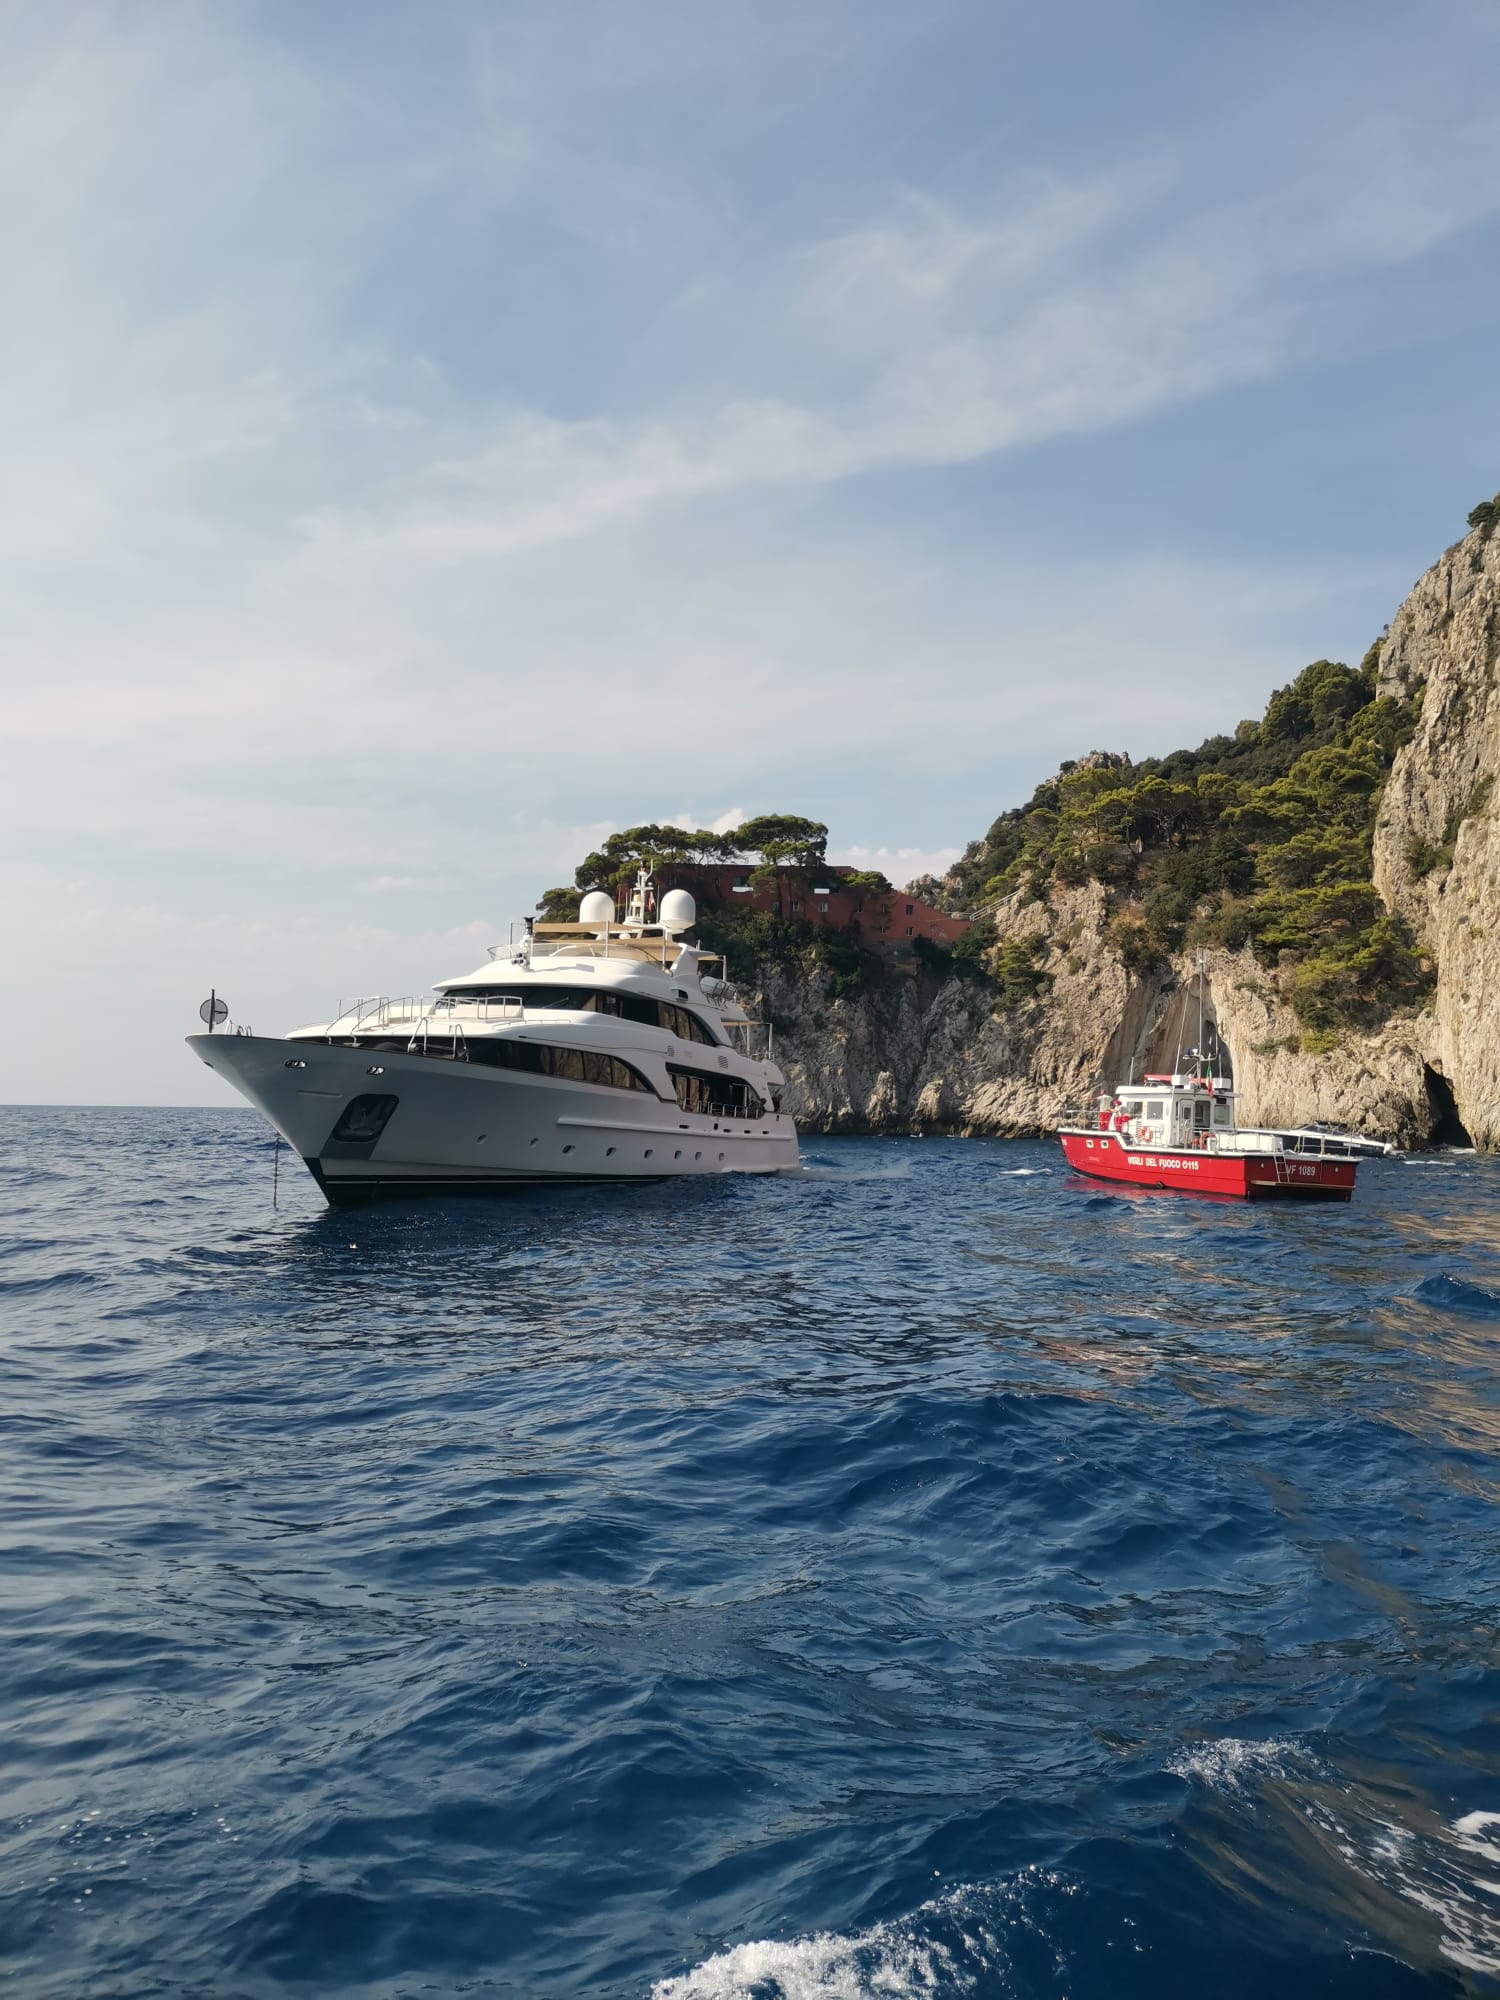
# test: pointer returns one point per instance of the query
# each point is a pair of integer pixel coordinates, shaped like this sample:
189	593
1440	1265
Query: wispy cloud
1060	310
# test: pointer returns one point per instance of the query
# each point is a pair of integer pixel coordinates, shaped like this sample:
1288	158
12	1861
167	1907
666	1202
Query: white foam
1228	1762
880	1961
907	1960
1432	1868
1470	1827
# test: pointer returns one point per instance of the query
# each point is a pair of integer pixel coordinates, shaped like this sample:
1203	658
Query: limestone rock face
1376	1084
928	1055
937	1059
1437	840
920	1053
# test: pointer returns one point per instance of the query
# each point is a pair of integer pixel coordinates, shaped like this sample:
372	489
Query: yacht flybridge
592	1051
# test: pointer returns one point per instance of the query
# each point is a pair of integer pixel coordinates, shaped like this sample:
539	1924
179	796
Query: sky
433	436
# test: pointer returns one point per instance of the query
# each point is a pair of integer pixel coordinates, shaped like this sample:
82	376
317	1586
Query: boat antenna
1202	963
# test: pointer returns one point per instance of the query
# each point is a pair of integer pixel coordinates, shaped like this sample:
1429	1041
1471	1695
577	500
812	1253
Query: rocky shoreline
918	1052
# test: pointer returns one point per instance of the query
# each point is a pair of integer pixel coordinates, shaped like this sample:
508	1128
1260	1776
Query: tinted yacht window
364	1118
533	1058
638	1007
714	1095
577	1065
686	1025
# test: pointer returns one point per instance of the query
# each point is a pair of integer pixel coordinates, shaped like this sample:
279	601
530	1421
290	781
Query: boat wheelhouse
589	1051
1179	1131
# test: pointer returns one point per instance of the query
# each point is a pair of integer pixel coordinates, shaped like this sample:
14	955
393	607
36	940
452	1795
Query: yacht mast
640	912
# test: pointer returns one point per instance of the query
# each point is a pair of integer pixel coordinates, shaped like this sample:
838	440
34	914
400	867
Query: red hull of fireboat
1250	1176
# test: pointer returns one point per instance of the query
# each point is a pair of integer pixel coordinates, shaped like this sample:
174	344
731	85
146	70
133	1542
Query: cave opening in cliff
1446	1128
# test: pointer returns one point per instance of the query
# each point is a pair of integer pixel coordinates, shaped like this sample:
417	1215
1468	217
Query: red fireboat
1179	1132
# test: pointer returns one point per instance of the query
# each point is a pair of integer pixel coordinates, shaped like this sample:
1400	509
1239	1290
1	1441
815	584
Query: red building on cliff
884	920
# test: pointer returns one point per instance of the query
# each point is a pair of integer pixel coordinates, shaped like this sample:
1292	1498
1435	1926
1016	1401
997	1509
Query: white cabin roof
556	970
1181	1086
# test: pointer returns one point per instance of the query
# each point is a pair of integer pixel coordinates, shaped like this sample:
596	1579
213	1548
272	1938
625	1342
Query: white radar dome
678	910
596	908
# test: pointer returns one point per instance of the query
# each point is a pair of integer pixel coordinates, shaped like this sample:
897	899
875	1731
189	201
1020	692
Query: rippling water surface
932	1576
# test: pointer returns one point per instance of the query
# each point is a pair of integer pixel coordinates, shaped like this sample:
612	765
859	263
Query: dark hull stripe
355	1191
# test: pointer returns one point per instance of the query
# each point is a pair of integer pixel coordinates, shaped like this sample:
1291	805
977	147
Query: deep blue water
932	1576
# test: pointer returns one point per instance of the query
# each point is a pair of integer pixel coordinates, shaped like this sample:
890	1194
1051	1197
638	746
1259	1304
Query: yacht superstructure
594	1051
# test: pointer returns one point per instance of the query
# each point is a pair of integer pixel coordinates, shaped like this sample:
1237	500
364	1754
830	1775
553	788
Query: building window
909	910
824	908
910	931
796	906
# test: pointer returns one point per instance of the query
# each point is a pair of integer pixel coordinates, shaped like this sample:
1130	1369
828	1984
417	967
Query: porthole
376	1069
296	1062
697	1156
648	1153
678	1154
567	1149
608	1152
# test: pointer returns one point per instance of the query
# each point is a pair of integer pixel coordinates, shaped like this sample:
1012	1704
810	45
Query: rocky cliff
1437	839
920	1052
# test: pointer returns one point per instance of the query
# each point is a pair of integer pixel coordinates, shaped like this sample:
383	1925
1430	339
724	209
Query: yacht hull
407	1125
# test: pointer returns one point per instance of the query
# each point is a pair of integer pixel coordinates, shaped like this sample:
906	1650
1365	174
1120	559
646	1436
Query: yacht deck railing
387	1011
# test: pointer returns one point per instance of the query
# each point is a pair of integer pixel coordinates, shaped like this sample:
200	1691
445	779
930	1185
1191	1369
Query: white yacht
593	1051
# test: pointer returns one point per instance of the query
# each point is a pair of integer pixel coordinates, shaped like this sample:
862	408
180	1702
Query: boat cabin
1174	1111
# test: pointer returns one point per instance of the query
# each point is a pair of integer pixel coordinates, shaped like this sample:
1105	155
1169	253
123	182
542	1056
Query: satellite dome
678	910
597	908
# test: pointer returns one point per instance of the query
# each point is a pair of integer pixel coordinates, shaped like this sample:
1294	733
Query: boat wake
1437	1868
1448	1870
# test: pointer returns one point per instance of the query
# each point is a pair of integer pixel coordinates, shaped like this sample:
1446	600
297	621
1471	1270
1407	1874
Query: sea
929	1575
